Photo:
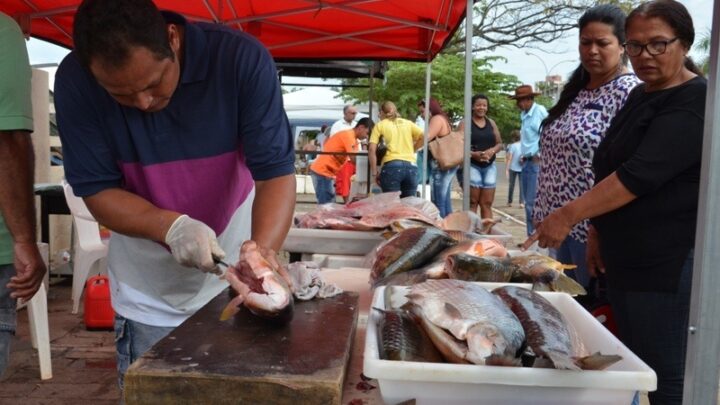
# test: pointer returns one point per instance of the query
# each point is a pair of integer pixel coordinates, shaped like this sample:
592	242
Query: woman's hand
592	254
552	231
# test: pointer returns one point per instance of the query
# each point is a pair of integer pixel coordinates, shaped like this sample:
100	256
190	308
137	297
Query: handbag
381	150
448	150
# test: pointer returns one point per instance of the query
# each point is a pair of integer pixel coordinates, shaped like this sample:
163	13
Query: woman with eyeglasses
644	205
571	133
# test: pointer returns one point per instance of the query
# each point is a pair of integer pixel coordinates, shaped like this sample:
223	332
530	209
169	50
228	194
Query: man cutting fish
175	136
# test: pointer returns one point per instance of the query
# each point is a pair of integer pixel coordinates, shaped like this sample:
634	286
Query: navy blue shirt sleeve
266	137
89	163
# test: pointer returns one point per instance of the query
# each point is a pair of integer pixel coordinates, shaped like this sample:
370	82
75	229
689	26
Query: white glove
194	244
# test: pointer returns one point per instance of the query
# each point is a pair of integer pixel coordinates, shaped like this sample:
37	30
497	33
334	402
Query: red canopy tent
291	29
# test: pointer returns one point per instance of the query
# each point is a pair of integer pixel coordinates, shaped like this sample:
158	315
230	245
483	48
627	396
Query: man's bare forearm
273	211
130	214
16	185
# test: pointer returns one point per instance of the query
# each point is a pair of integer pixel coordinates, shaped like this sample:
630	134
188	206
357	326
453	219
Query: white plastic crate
353	243
442	383
334	261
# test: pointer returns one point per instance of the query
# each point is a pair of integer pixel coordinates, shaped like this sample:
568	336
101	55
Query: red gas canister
98	311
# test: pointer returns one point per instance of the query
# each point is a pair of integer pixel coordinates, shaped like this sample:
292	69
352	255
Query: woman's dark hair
677	17
436	109
607	14
480	96
107	30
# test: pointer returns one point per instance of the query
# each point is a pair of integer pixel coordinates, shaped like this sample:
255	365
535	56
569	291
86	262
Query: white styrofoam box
334	261
337	242
330	241
300	183
442	383
309	188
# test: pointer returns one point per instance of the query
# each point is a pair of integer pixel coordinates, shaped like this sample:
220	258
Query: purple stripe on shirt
207	189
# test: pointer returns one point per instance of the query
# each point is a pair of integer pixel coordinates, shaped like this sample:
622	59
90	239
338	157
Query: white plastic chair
88	246
38	320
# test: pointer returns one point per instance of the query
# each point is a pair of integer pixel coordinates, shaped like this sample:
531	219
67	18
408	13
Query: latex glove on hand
194	244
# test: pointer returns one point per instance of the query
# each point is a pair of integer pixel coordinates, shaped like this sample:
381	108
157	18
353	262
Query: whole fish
260	287
470	313
462	266
400	337
431	271
548	333
545	273
408	250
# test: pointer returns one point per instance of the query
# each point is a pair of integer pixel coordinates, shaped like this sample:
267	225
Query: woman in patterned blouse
596	90
645	203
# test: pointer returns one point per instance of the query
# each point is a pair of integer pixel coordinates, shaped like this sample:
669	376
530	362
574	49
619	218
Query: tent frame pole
468	107
426	117
701	361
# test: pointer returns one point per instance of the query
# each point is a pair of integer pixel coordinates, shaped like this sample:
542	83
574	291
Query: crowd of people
609	175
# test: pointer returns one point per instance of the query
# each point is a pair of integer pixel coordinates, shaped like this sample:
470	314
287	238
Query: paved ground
84	361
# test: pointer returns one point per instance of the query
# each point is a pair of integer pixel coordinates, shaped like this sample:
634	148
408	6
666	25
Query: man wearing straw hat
531	117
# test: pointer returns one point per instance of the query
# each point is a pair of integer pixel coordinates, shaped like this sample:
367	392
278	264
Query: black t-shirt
482	139
654	144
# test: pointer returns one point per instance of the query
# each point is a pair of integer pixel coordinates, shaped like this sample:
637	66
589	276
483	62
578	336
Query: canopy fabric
291	29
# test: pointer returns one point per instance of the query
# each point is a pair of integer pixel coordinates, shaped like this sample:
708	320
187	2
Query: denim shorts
8	315
483	177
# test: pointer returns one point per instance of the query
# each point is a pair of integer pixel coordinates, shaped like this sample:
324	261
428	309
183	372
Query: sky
558	58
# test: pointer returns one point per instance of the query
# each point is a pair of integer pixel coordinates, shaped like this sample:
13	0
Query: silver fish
470	313
548	333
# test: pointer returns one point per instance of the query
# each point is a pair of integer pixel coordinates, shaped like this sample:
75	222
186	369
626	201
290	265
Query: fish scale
400	338
548	333
469	312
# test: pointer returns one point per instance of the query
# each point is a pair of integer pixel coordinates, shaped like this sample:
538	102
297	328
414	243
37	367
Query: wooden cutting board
249	360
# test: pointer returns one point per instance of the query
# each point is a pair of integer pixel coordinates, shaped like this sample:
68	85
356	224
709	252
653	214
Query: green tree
703	46
404	85
522	23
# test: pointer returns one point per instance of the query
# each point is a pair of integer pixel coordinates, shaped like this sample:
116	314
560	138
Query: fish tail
597	361
564	267
566	284
562	361
232	308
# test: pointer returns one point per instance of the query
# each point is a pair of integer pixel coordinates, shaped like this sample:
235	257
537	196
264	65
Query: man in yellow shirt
325	167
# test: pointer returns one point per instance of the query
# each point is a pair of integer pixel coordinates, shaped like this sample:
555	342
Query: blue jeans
441	185
132	340
654	326
573	251
511	186
528	190
324	188
8	315
399	175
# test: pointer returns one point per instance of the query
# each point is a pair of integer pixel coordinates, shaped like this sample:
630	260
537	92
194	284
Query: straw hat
523	91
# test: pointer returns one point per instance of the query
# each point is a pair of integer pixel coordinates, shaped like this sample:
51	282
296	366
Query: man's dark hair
366	122
107	30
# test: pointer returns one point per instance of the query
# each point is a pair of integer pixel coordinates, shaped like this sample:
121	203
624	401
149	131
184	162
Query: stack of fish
414	255
511	326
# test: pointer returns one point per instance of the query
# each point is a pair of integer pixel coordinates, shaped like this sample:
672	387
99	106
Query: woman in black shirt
644	204
485	142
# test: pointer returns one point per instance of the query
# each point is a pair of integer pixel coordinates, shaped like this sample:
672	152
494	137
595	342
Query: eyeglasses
653	48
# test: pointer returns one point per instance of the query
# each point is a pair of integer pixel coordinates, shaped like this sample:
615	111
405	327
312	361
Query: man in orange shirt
326	167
